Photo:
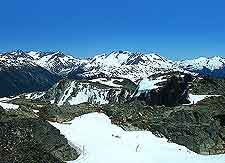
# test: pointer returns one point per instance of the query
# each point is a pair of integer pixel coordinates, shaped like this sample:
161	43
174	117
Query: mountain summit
124	64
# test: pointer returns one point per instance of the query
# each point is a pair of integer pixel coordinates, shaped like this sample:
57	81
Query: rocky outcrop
201	127
208	86
25	139
172	92
192	127
67	92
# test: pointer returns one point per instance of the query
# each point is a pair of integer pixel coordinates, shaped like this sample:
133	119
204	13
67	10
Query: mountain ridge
51	60
53	66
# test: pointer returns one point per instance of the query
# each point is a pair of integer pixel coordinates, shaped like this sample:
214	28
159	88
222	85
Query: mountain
35	71
130	65
214	66
18	74
22	71
133	66
56	62
168	89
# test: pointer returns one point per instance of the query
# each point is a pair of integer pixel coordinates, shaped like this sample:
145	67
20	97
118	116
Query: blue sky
175	28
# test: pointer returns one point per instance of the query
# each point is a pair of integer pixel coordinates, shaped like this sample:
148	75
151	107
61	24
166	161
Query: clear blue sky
175	28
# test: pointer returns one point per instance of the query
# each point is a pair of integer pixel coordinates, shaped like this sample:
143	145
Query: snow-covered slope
130	65
55	62
125	64
100	142
16	59
199	63
194	99
66	92
8	106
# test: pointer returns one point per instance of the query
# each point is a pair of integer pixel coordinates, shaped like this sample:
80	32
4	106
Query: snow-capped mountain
55	62
199	63
118	64
214	66
124	64
18	74
16	59
133	66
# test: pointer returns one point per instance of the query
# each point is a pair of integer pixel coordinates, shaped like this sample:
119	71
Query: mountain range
60	108
22	71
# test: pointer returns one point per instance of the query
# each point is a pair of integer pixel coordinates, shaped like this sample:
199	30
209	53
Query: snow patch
8	106
86	94
34	96
194	99
36	111
108	82
66	94
147	84
101	142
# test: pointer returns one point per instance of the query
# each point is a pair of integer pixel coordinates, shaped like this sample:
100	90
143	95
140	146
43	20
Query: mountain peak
210	63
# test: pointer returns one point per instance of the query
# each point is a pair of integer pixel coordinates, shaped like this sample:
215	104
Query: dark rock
33	140
15	81
208	86
217	73
171	93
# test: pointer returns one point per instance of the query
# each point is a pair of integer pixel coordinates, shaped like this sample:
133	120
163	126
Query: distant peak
59	54
16	52
216	57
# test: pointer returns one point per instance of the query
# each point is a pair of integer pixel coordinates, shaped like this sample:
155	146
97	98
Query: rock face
74	92
172	90
208	86
26	138
199	127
